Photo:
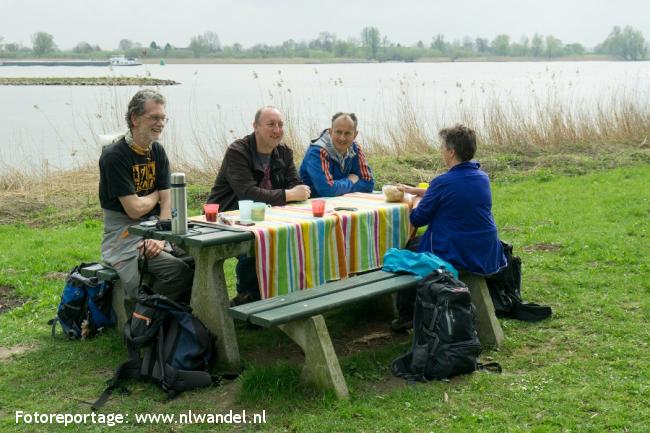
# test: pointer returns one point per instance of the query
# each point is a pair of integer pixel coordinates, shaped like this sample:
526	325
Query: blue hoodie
326	171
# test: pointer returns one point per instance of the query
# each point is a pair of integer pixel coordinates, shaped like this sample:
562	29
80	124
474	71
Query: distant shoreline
315	61
312	61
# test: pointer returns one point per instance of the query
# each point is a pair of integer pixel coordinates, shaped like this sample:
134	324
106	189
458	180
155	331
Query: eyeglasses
156	119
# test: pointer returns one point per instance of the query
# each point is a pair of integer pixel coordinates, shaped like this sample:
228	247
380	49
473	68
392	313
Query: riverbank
85	81
70	196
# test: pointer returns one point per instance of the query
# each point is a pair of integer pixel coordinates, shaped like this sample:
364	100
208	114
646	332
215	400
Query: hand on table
353	178
298	193
419	192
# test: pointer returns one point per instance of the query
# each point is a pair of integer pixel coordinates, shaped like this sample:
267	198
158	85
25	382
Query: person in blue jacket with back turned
457	210
334	163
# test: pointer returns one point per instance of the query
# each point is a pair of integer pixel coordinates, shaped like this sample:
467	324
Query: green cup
258	211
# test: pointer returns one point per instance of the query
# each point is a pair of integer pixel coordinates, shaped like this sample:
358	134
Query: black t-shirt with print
122	172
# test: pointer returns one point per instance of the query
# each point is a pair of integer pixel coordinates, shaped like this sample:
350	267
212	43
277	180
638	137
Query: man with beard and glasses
134	185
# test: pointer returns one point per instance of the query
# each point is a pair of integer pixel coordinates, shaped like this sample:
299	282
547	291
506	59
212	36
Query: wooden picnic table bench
299	315
106	273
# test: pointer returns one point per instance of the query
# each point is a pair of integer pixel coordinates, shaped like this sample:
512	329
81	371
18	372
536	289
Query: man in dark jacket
257	167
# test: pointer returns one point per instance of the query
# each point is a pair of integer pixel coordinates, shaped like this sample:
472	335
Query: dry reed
549	127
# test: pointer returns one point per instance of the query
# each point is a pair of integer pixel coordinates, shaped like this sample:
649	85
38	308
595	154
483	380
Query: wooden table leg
321	363
489	329
210	302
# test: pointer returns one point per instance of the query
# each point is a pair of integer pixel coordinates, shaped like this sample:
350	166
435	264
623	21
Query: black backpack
505	291
445	342
85	307
167	345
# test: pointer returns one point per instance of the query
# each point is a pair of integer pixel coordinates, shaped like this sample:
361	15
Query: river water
62	126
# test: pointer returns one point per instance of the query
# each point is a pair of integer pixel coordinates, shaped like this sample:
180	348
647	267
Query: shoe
240	299
401	325
253	327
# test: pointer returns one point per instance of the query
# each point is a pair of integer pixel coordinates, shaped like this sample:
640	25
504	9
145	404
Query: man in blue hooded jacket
334	163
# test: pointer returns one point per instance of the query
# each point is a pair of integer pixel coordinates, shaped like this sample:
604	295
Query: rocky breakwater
85	81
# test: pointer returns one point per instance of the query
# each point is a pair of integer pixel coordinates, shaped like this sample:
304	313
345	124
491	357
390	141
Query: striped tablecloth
295	250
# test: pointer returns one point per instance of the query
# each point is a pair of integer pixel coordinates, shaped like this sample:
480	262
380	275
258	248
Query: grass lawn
584	241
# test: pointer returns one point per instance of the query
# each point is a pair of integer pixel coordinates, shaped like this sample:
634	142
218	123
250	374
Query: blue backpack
168	346
85	307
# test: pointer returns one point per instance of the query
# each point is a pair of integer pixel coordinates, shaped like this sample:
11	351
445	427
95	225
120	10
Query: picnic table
294	251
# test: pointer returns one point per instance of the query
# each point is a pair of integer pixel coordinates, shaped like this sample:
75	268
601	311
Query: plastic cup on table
258	211
318	207
245	208
211	211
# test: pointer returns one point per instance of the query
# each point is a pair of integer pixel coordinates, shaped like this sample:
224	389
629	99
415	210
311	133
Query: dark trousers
247	278
406	298
168	274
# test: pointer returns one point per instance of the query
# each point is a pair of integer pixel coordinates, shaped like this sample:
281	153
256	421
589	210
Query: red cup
318	207
211	211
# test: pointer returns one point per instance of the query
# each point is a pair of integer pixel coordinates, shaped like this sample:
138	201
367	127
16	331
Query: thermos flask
179	204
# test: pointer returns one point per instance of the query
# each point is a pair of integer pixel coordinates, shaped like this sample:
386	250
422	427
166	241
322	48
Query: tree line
625	43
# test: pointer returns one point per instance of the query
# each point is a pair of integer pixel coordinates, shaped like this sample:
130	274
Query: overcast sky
268	21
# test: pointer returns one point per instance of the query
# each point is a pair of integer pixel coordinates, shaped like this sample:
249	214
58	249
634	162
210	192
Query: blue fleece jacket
457	207
326	171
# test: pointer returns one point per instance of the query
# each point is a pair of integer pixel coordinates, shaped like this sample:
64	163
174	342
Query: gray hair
461	139
352	116
136	105
258	113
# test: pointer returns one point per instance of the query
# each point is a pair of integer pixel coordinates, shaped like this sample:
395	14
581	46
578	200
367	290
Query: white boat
124	61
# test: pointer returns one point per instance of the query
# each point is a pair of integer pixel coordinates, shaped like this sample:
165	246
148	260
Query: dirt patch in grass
363	336
222	398
389	383
282	349
9	299
56	276
8	352
510	229
367	337
541	247
384	386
